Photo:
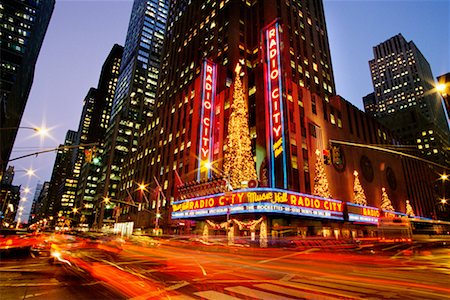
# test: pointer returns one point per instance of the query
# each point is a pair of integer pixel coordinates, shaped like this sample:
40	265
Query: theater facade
295	121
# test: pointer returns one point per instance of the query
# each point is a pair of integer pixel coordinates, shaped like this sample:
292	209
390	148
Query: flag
116	211
129	198
178	181
158	189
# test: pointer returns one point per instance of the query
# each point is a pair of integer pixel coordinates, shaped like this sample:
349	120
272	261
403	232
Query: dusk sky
82	32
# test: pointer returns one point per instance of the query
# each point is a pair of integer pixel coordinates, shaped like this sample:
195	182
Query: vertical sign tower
275	130
207	118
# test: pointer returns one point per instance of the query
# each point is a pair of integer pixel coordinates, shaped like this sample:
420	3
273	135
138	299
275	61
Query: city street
36	278
176	270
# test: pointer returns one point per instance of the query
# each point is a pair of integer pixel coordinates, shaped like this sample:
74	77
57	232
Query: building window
312	130
314	105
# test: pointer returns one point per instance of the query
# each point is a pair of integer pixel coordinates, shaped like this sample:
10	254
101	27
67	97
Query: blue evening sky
82	32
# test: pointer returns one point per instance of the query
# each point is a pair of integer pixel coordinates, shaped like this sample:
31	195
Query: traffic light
96	160
326	156
88	155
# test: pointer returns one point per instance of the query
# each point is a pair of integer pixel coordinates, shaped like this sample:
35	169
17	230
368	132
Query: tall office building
24	24
92	128
61	197
134	97
83	153
35	204
405	98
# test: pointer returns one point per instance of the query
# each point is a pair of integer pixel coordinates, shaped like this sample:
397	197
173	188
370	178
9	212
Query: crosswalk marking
214	295
345	287
255	293
292	292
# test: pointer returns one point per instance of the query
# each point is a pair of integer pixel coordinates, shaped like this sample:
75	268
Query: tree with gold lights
358	192
409	209
320	178
385	201
239	164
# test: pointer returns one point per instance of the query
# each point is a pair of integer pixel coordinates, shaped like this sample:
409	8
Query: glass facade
22	30
134	98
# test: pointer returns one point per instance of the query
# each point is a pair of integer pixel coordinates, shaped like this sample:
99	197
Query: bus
430	230
394	230
412	229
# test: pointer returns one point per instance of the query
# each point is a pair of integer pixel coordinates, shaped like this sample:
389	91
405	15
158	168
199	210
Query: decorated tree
358	192
385	201
239	164
320	179
409	209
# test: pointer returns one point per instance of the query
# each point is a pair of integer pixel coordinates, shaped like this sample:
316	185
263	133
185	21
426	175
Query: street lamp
42	131
28	172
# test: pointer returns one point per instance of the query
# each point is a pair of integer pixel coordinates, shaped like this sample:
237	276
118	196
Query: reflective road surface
176	269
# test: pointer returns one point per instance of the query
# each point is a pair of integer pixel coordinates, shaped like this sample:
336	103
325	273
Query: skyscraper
62	189
24	26
210	35
35	204
134	98
93	123
83	153
405	98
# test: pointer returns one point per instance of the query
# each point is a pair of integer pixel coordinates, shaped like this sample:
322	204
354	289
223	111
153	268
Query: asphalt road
25	277
179	271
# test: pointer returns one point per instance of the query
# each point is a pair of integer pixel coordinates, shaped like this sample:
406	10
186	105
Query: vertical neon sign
274	107
207	116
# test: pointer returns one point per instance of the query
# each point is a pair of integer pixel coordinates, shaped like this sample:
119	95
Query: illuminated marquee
274	107
364	214
259	201
207	115
393	214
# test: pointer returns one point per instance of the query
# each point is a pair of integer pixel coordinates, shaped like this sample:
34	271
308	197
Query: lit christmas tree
385	201
239	164
409	209
320	179
358	192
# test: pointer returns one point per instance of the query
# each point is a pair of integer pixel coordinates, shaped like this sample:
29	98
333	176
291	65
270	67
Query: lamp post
444	177
40	130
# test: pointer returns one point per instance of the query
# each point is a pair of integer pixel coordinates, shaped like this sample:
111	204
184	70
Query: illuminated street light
106	200
440	87
42	131
142	187
444	177
30	172
444	201
75	210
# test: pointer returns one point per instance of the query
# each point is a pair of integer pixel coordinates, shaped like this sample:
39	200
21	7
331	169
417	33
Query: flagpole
157	212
